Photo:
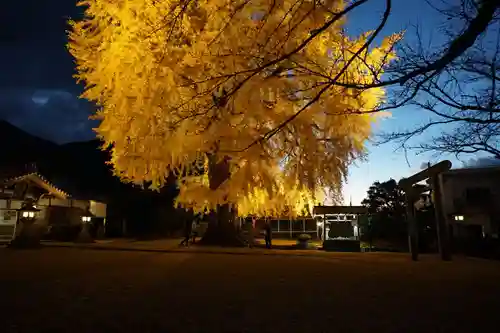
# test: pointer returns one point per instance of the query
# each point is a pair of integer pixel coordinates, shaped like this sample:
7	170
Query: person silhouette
268	234
188	228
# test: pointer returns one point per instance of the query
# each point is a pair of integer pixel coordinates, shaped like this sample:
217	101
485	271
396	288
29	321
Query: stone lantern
84	235
27	234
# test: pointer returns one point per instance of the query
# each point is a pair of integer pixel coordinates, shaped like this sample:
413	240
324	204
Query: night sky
37	90
39	95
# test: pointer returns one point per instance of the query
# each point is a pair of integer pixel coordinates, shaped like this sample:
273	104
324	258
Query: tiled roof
42	182
483	170
319	210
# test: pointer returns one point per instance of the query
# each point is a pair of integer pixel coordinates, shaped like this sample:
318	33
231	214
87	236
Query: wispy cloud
56	115
482	162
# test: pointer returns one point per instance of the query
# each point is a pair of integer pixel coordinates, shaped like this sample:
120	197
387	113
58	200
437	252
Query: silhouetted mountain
19	147
80	169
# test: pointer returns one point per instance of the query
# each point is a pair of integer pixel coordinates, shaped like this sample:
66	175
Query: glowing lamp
28	211
28	214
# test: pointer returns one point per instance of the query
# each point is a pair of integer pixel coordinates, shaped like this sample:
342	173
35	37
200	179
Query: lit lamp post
29	214
84	235
27	233
369	220
320	224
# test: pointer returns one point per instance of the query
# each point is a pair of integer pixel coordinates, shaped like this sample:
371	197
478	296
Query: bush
304	237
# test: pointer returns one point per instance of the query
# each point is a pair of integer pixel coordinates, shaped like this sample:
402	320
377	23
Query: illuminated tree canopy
186	85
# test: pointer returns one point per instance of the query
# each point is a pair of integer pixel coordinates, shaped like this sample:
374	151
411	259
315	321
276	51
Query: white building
471	201
54	206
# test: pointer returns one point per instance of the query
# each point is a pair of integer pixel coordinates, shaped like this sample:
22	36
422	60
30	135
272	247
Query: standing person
188	228
268	234
320	232
194	227
250	232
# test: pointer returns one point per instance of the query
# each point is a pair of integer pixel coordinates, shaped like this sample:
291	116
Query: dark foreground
73	290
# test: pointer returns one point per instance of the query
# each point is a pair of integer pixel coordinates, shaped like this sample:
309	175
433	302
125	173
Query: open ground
82	290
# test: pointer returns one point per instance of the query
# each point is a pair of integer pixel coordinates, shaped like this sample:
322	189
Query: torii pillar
442	229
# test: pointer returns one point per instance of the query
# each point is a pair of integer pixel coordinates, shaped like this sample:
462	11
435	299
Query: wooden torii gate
412	193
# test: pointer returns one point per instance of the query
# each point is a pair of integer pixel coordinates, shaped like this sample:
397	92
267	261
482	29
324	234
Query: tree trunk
29	236
221	229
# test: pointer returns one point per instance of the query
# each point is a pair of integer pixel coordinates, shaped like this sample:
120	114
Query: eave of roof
42	182
321	210
491	169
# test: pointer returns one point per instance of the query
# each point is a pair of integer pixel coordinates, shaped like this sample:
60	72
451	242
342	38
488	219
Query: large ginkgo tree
233	97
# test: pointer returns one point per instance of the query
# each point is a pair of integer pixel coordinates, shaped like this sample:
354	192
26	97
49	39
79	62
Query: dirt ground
76	290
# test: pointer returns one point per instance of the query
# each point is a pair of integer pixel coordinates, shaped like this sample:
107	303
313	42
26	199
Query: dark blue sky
383	162
39	95
37	91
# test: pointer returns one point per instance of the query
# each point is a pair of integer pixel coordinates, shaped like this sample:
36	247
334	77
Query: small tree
386	205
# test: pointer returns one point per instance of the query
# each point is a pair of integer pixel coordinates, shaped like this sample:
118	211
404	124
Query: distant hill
79	168
20	147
